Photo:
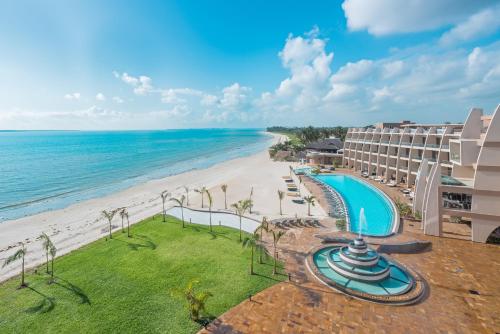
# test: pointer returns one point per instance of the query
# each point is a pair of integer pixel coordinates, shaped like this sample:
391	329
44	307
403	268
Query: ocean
47	170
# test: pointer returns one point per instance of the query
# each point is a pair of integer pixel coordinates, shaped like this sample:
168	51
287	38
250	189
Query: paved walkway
452	268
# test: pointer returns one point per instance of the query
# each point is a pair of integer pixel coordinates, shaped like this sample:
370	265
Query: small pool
358	194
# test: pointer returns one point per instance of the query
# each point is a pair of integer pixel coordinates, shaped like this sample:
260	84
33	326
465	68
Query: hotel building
454	169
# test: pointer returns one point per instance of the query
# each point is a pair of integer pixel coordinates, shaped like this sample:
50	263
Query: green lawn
128	285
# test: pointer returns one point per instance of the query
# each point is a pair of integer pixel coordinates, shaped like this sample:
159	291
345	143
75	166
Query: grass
130	285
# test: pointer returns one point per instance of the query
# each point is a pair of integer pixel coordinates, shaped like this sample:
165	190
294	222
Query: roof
326	144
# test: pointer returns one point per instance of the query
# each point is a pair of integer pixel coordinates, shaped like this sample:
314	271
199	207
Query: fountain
362	272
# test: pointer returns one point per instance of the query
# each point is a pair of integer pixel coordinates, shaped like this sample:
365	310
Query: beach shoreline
81	223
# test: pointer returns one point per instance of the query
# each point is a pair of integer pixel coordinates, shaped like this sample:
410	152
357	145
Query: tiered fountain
360	271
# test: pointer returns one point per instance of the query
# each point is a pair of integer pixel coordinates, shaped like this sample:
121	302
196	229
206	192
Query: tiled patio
452	268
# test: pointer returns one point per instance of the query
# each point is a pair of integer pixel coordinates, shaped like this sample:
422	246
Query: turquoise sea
46	170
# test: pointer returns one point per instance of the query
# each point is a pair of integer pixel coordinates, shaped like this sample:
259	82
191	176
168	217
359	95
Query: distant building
454	168
326	151
388	125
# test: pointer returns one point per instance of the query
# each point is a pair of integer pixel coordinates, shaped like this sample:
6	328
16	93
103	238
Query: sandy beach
82	223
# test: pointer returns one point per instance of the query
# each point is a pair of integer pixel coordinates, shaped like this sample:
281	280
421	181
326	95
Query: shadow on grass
77	291
216	235
45	305
147	243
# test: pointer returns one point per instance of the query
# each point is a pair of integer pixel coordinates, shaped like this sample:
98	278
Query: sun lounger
293	194
391	183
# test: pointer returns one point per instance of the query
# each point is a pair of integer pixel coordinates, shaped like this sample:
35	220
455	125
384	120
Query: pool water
358	194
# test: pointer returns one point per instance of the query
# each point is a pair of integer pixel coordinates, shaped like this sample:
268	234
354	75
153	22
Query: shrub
341	224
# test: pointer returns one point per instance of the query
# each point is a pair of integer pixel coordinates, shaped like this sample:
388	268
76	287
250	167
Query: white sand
81	223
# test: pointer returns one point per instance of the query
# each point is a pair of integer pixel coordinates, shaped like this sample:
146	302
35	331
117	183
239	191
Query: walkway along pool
380	212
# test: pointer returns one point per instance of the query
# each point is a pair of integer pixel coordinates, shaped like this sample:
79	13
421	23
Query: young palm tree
263	227
202	191
251	203
253	242
124	215
300	183
210	202
164	195
276	238
241	207
180	202
16	256
310	201
47	243
281	195
122	211
109	215
196	301
186	189
224	190
53	251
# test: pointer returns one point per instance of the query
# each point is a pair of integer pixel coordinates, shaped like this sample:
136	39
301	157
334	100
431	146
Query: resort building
453	169
326	151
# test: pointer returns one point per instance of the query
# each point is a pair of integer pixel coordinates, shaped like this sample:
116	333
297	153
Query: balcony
406	143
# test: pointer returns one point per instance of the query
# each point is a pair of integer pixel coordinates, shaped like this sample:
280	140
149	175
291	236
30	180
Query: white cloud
383	17
100	97
117	99
352	72
235	97
142	84
73	96
480	24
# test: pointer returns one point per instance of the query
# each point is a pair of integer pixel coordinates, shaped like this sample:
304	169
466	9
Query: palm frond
16	256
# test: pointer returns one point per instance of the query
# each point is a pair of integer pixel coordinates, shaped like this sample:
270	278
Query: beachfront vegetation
252	241
124	215
306	135
240	208
210	203
186	189
196	301
281	196
46	245
224	190
18	255
164	195
263	227
310	201
202	192
180	202
109	215
126	285
277	235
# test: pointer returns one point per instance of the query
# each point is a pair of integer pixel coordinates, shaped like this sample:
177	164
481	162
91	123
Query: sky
137	64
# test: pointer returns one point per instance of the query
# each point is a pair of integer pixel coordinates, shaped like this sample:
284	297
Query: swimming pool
358	194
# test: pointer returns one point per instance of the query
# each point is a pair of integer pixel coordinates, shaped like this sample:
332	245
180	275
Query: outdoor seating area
334	199
287	223
293	189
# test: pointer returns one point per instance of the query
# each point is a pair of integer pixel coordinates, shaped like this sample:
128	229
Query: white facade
455	168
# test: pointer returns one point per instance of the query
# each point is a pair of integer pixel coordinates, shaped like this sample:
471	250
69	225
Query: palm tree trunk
22	273
182	215
47	257
52	271
261	248
281	212
251	263
110	234
225	200
123	230
202	206
274	266
240	228
128	228
163	212
308	209
210	215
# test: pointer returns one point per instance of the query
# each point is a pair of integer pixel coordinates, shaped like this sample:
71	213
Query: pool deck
451	269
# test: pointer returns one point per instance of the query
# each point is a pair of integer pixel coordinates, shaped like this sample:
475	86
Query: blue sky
178	64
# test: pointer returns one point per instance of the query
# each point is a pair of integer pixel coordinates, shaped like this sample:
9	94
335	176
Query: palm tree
122	211
16	256
186	189
264	226
47	243
202	191
281	195
224	190
53	251
300	183
276	238
180	202
164	196
310	201
252	241
196	301
251	203
210	202
124	214
241	207
109	215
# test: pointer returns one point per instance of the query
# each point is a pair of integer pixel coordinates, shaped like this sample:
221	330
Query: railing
406	143
444	146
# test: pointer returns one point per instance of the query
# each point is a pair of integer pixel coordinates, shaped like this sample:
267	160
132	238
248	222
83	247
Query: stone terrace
452	269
